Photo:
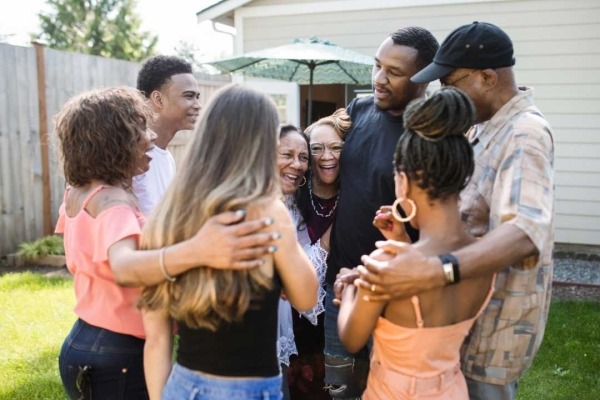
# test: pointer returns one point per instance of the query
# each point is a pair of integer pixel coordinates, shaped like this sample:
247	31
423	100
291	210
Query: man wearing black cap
509	203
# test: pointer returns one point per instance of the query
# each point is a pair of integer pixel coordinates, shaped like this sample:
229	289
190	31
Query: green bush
51	245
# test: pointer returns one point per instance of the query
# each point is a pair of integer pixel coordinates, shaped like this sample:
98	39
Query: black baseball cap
479	45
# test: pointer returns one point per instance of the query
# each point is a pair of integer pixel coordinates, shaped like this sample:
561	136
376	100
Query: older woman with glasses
317	205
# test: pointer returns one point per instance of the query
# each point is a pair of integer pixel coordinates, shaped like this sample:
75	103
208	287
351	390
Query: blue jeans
285	384
183	383
101	364
345	373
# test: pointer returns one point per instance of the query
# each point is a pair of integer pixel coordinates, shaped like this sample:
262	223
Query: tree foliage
108	28
188	51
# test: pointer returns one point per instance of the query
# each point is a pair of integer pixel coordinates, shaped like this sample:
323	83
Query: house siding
557	51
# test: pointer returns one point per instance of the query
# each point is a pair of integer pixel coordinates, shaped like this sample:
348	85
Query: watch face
448	272
450	268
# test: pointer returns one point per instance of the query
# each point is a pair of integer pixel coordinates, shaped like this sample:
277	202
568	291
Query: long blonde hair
230	163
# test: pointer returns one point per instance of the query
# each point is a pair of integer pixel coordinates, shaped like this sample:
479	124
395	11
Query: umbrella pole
311	67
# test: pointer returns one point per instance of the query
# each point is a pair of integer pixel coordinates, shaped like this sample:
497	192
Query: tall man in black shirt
367	182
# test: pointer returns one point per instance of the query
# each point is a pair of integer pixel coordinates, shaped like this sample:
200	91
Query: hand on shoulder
236	239
274	208
397	270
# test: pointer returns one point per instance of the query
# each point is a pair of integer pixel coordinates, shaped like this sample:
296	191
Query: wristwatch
450	267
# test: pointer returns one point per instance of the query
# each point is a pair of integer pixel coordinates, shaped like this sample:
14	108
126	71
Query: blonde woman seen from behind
227	320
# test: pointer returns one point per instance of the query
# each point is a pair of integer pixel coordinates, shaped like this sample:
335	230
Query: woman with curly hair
103	143
417	340
227	320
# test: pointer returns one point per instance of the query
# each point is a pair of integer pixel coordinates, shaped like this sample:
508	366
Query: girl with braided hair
417	340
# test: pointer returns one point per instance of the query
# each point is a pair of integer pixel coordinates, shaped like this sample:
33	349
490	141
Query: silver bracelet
161	264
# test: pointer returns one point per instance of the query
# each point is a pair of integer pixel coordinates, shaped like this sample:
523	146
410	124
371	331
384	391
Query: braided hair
433	151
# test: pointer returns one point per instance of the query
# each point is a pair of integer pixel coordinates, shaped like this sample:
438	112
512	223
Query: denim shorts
183	383
101	364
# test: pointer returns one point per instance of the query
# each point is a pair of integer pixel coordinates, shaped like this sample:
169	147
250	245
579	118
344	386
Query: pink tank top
100	301
414	363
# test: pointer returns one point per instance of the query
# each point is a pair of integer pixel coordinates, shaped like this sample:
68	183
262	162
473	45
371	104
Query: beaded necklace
312	202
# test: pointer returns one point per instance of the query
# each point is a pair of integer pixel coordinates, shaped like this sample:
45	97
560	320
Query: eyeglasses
318	149
452	83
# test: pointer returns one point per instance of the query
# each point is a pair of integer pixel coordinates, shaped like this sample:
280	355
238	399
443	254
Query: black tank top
245	348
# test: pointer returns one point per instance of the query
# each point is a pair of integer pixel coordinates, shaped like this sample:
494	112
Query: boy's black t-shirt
366	183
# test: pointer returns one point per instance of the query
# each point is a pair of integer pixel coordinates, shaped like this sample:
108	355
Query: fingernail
366	298
272	249
241	213
269	221
276	236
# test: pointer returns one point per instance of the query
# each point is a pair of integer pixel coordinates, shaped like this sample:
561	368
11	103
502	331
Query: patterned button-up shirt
513	183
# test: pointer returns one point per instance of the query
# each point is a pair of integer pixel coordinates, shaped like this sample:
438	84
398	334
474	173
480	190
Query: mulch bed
46	270
575	292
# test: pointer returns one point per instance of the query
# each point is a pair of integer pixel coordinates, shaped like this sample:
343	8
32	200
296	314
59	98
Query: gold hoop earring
397	215
303	182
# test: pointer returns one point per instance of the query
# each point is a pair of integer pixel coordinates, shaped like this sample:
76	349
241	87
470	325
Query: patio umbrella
304	61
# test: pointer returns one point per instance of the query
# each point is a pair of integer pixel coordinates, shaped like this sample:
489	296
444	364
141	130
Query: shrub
51	245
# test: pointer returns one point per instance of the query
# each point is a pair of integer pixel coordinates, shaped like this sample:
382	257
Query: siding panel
579	136
579	236
577	164
570	150
571	221
583	208
564	91
578	178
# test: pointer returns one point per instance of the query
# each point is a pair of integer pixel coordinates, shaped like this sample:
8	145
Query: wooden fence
34	84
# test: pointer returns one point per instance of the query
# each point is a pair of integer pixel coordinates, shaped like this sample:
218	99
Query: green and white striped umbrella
305	61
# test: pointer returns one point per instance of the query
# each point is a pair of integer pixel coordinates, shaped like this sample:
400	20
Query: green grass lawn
37	314
568	363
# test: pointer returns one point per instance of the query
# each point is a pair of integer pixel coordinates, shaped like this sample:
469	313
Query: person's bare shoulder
108	197
264	207
271	207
